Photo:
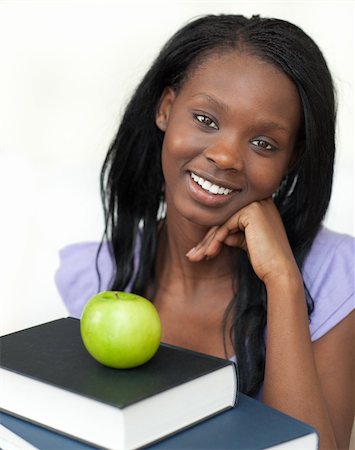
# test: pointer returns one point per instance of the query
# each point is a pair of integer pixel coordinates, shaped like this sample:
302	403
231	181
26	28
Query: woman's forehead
237	65
238	80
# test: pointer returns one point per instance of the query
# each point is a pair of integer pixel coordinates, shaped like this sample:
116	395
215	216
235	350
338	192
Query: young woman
214	191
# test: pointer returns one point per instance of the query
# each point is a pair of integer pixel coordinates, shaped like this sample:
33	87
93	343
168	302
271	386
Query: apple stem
117	296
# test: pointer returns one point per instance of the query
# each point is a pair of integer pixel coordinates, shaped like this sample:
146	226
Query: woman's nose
226	155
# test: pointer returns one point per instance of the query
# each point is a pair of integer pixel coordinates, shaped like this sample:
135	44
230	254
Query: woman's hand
258	230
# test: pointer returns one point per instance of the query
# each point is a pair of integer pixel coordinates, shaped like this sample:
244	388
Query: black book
48	377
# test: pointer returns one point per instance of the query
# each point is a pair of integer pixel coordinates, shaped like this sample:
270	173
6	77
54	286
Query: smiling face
230	135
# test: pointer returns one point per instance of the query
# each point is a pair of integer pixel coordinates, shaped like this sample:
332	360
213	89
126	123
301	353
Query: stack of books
49	378
56	396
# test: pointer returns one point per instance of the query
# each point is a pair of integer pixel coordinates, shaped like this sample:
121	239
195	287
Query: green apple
120	329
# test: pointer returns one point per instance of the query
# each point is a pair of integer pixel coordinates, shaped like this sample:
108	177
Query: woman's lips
209	193
214	189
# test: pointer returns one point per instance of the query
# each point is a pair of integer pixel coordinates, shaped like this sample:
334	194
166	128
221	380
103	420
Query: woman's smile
208	192
209	186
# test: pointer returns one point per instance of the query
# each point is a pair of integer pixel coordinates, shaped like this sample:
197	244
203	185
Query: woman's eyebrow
270	125
219	103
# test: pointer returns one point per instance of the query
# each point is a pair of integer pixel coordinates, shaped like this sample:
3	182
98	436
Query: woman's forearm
291	382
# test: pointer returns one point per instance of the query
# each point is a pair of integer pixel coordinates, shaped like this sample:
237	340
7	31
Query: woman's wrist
288	279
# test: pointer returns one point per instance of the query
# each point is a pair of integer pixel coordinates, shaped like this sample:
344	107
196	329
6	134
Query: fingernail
191	252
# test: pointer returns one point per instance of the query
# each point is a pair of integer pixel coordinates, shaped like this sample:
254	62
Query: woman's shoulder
77	277
328	273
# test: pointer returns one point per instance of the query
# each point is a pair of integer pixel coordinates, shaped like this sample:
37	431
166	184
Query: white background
67	70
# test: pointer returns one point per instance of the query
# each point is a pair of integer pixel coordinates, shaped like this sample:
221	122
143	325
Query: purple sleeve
77	279
329	275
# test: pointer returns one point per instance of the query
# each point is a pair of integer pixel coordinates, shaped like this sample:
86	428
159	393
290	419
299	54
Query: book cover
50	379
249	426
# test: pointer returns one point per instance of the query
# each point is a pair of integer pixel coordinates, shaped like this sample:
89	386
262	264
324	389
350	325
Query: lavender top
328	273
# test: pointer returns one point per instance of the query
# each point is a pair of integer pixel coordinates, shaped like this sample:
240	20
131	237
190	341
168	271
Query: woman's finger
236	240
231	230
212	243
197	253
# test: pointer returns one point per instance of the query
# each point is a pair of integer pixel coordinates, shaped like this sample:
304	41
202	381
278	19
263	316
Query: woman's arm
297	380
334	357
320	390
292	383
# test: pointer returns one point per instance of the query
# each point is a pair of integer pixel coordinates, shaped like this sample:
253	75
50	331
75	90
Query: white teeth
208	186
214	189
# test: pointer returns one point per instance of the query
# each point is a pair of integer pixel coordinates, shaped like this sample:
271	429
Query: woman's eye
205	120
263	144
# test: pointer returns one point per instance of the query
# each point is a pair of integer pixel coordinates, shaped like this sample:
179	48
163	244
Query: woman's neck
175	240
193	297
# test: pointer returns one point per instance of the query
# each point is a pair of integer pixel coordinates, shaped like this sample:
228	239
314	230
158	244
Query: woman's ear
164	108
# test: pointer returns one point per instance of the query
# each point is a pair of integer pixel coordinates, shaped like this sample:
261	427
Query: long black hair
132	184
